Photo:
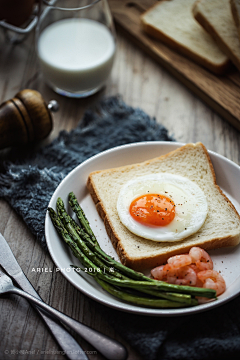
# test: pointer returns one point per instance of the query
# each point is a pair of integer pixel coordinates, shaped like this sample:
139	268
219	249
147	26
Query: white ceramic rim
122	305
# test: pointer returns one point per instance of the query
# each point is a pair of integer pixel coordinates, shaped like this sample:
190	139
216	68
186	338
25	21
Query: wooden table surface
142	83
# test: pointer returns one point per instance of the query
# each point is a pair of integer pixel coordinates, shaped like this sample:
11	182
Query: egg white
190	210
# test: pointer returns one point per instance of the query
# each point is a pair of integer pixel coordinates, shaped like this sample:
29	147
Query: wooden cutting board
222	93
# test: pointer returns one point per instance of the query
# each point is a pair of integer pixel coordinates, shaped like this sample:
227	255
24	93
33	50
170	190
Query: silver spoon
110	348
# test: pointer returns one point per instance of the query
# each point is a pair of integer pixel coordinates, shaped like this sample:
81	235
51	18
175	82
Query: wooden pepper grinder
25	118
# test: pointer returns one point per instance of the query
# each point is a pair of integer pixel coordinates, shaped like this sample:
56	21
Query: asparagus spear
81	216
183	298
157	285
66	220
137	300
90	238
71	228
86	262
150	287
143	301
129	272
160	285
68	240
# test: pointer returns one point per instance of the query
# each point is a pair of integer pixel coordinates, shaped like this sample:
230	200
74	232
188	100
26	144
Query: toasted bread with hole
221	227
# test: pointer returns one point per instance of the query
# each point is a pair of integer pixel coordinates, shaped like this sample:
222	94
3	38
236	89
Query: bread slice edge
158	259
158	34
203	21
236	15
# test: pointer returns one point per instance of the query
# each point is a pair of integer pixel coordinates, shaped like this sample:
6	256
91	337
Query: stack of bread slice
207	31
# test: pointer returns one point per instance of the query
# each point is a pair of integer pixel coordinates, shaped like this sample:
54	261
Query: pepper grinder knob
26	118
53	105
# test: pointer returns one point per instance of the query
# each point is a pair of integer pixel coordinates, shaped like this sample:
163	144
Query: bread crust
235	15
158	259
234	12
213	32
156	33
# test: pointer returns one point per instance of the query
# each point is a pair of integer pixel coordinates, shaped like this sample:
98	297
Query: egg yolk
153	210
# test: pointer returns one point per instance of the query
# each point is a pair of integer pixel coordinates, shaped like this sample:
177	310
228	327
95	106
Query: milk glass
76	43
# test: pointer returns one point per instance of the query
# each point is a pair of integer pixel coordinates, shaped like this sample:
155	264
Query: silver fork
110	348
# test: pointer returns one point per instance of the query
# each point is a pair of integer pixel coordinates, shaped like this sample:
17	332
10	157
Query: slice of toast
221	227
235	7
172	22
216	18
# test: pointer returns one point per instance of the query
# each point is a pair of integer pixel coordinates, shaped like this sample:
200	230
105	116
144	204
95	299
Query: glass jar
76	45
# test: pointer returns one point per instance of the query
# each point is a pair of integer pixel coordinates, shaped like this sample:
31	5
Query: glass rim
50	3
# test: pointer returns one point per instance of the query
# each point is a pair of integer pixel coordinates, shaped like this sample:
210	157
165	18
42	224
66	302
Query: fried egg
162	207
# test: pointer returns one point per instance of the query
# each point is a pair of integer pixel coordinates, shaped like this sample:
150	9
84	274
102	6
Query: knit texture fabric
28	184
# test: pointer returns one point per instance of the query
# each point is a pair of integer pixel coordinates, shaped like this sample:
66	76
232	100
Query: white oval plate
225	260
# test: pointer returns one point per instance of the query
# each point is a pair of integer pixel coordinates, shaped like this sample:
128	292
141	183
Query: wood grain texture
142	82
222	93
24	119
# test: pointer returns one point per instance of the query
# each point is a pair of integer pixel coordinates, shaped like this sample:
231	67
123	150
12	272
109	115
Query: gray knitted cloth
28	184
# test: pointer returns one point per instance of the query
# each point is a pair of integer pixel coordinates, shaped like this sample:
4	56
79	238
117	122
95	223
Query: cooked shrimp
199	283
212	280
179	261
195	268
158	273
201	258
174	262
184	275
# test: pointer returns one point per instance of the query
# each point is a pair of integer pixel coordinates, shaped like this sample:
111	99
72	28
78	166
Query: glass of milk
76	44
